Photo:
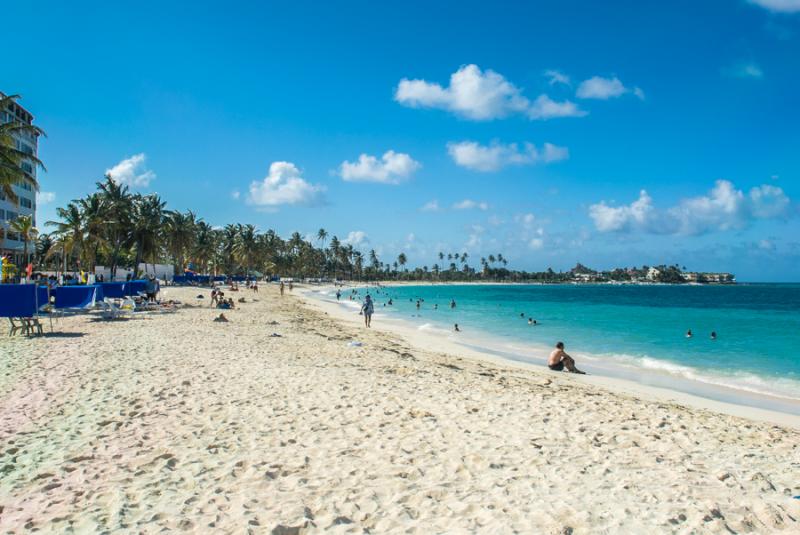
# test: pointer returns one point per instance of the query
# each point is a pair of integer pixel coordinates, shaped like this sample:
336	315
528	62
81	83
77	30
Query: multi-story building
10	244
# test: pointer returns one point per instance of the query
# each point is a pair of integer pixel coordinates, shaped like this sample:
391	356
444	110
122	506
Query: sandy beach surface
173	421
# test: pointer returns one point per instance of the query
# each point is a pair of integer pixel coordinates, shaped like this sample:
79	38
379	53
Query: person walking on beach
559	360
282	288
338	295
367	309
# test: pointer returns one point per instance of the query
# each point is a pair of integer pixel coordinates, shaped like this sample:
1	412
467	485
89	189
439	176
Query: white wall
162	271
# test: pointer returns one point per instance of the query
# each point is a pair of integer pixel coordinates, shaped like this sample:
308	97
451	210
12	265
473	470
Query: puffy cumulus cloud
356	238
283	184
45	197
779	6
723	208
612	219
430	206
536	243
132	172
392	168
469	204
485	158
601	88
235	194
479	96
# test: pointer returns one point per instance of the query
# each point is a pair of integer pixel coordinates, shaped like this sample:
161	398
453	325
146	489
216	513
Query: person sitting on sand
559	360
367	309
223	305
221	318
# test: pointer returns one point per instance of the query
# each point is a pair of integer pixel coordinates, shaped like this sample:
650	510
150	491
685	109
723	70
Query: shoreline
618	385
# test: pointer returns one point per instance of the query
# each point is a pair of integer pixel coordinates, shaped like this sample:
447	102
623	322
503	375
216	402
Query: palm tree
402	259
335	250
23	225
206	245
96	229
44	247
147	225
69	231
180	234
244	248
118	203
11	158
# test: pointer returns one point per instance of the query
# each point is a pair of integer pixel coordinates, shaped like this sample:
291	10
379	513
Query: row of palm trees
117	228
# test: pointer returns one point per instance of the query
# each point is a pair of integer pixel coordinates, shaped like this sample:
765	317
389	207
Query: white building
26	189
653	273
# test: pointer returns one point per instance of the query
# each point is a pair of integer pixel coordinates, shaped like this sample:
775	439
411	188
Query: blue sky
607	133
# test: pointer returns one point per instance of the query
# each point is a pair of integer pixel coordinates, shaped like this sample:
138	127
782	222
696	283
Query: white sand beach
173	421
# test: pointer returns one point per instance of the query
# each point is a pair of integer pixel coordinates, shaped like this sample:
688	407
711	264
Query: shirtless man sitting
559	360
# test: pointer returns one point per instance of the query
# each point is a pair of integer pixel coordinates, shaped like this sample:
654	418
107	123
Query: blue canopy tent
20	303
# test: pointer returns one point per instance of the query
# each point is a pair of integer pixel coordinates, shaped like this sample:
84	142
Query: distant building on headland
719	278
647	275
25	189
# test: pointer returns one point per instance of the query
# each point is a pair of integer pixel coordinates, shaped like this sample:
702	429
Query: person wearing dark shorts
559	360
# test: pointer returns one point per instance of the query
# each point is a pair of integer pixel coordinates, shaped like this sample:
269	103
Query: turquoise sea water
629	331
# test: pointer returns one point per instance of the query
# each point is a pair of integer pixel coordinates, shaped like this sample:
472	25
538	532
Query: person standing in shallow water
367	309
559	360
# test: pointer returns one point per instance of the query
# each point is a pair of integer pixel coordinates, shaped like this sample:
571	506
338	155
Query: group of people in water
690	334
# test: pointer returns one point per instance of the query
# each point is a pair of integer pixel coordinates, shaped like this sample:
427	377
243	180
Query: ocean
627	331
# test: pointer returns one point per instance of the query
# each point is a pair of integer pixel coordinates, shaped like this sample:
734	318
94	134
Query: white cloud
546	108
356	238
780	6
392	168
479	96
766	245
611	219
556	77
469	204
724	208
536	243
746	69
526	220
638	92
45	197
430	206
601	88
132	172
283	185
477	157
235	194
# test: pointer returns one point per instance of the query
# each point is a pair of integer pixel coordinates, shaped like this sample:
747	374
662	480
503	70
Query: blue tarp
134	287
114	290
77	296
21	300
